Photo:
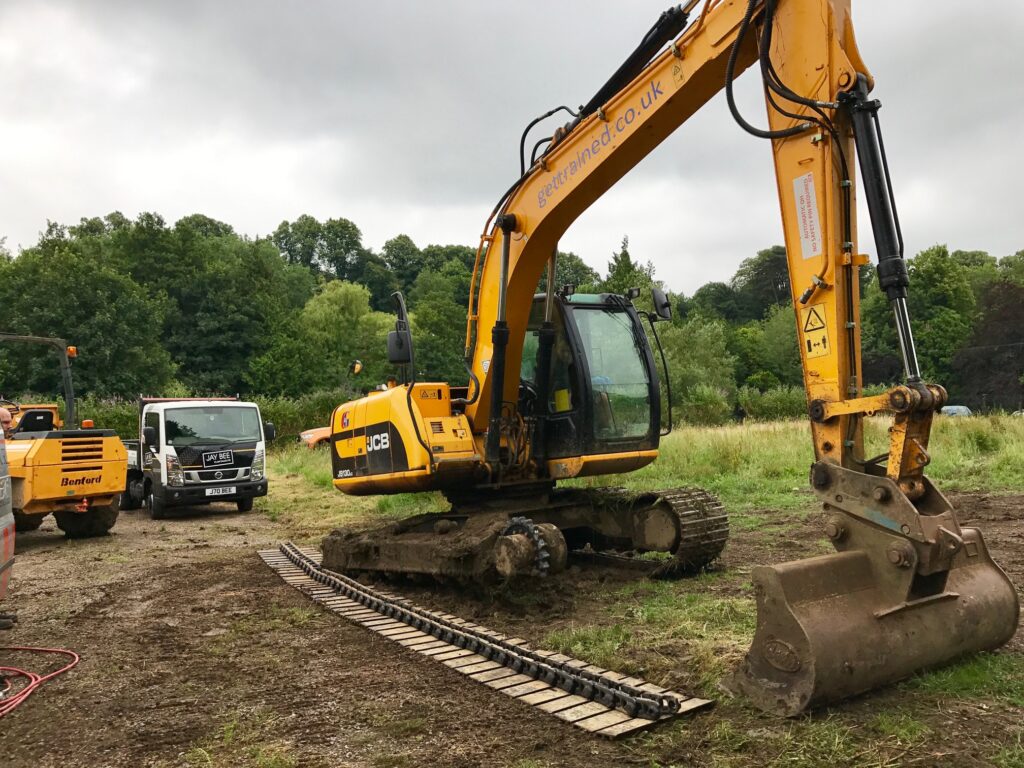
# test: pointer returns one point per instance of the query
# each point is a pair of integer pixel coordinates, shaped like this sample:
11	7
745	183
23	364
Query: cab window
619	379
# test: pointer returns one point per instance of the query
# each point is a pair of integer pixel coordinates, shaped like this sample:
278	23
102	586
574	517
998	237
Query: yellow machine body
907	587
56	467
65	471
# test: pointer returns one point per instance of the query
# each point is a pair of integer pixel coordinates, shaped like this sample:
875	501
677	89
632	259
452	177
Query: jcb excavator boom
907	588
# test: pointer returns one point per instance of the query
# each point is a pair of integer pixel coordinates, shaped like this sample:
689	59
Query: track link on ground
599	701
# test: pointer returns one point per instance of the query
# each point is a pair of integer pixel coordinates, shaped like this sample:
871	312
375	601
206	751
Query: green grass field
750	467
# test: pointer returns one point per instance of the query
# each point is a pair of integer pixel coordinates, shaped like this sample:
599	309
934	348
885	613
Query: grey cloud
398	109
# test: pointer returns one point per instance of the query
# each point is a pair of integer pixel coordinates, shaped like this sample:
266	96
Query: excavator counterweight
565	386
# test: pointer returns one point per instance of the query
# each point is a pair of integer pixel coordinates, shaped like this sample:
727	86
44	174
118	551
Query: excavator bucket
907	590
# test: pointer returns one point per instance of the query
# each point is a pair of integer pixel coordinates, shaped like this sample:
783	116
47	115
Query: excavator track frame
478	539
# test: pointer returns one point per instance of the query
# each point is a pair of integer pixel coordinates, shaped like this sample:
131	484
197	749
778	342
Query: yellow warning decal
678	75
812	321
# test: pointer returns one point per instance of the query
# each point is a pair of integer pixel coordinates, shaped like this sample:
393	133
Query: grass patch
983	676
314	466
664	628
243	738
1011	756
900	727
764	465
304	500
274	618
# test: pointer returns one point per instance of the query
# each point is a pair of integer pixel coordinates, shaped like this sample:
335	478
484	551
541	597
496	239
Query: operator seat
35	420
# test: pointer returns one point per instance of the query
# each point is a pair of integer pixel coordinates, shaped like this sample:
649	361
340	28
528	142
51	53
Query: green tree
438	302
942	309
332	247
373	272
404	259
436	256
335	327
982	269
570	269
761	282
62	291
715	300
781	348
1012	268
989	369
624	273
699	363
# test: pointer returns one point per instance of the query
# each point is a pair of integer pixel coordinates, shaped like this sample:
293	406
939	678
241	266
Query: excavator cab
601	388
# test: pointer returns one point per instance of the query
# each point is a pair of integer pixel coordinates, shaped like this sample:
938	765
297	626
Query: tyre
127	501
26	523
244	505
157	508
85	525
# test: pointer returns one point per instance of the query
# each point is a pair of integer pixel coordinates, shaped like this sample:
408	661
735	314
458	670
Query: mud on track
194	653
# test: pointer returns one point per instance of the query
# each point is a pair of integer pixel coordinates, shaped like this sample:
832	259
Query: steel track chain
635	702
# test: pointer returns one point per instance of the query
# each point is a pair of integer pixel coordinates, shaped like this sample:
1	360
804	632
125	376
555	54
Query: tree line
195	307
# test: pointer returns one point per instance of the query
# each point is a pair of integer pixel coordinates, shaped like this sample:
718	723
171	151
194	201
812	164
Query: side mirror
400	347
662	306
269	430
149	436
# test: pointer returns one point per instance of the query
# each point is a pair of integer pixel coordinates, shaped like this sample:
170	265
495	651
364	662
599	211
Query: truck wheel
157	508
84	525
24	523
127	501
244	505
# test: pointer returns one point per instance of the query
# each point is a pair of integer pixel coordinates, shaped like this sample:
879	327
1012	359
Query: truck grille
192	456
84	449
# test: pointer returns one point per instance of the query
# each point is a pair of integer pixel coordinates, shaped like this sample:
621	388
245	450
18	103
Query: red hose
8	674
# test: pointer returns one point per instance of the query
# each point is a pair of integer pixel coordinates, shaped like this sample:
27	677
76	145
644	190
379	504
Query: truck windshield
618	374
211	424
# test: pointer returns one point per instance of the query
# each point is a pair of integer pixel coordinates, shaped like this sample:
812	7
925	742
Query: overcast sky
405	117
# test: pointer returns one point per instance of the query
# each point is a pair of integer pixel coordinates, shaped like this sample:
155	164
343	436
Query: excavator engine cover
899	596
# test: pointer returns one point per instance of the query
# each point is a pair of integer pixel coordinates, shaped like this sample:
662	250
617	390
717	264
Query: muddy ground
194	653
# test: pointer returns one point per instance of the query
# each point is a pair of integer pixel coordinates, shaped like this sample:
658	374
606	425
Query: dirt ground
194	653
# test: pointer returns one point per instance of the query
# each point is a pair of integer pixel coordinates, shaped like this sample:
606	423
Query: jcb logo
378	442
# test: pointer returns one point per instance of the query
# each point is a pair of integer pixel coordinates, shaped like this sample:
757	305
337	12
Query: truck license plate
225	491
218	459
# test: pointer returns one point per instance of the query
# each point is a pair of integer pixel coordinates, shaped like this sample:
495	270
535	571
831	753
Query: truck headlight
175	474
259	465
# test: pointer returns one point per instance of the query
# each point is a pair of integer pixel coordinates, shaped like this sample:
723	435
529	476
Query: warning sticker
812	321
678	75
807	215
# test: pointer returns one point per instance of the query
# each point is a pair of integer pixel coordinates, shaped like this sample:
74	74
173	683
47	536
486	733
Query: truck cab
196	451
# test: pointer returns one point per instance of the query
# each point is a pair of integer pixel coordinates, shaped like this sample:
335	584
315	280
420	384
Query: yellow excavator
565	386
76	473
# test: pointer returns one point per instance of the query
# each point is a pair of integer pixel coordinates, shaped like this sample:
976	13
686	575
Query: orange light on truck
88	424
